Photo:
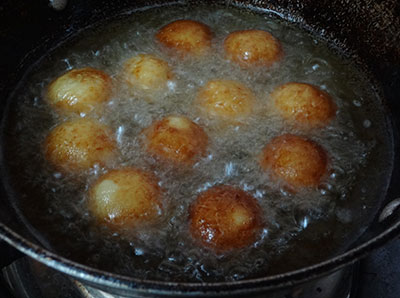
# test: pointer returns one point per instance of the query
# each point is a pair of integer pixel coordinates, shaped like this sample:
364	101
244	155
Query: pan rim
272	282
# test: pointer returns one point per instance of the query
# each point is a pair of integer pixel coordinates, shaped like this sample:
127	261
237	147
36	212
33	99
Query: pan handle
389	209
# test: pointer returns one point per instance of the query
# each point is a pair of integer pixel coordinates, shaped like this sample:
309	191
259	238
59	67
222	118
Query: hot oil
313	224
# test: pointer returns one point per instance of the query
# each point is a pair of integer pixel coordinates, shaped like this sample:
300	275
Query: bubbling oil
313	224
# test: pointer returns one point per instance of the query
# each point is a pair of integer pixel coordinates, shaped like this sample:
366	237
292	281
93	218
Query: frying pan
367	31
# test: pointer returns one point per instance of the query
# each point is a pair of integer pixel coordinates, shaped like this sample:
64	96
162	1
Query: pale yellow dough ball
226	100
147	72
79	90
176	139
79	144
125	197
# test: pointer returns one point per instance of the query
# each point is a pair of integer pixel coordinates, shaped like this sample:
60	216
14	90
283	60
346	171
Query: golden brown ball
79	144
79	90
147	72
176	139
304	104
186	37
126	197
225	218
226	99
252	48
295	160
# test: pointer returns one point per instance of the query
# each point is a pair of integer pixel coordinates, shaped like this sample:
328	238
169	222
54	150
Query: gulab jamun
125	197
295	160
79	90
226	100
250	48
225	218
79	144
176	139
186	37
147	72
304	105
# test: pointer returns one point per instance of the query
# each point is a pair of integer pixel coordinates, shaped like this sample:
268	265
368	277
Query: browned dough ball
252	48
79	90
176	139
186	37
296	160
79	144
125	197
226	99
147	72
304	104
225	218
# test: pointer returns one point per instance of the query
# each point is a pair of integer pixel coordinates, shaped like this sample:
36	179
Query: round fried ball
225	218
226	99
79	144
176	139
186	37
125	198
296	160
147	72
79	90
304	104
252	48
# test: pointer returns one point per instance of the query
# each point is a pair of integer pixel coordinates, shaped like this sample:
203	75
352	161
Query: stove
377	276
